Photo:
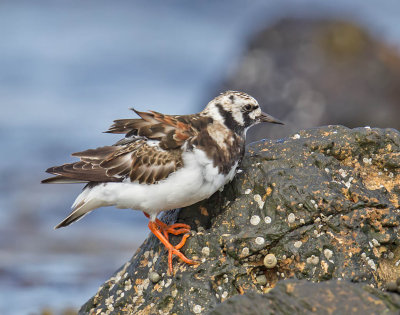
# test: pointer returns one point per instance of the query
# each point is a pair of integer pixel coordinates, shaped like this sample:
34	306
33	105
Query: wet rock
312	72
303	297
341	194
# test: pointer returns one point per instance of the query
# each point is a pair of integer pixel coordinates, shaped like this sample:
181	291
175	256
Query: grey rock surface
304	297
324	202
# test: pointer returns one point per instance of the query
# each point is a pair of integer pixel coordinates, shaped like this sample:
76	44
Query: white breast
197	180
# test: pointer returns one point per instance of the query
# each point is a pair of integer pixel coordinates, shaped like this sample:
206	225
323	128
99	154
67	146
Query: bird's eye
248	107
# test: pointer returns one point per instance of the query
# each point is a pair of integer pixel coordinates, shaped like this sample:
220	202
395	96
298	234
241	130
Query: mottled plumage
164	161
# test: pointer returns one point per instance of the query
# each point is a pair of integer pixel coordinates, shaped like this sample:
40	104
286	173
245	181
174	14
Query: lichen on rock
325	203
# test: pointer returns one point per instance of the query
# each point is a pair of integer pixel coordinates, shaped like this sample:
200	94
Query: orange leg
176	229
179	228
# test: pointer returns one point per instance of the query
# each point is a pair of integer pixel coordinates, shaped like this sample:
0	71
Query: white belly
197	180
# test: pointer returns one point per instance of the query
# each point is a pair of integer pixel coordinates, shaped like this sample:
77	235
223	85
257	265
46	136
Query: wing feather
137	161
135	157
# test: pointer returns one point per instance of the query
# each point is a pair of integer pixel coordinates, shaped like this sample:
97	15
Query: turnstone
164	162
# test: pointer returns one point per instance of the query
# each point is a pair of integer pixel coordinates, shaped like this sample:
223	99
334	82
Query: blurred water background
67	69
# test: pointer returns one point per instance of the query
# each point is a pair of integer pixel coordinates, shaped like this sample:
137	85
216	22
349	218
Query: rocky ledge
320	205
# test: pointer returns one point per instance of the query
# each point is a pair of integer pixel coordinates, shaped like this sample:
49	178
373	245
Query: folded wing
150	151
137	161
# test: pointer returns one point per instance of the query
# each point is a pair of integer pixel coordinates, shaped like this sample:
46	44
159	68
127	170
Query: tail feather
82	206
74	216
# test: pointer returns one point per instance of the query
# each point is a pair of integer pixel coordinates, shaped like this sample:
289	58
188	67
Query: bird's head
237	111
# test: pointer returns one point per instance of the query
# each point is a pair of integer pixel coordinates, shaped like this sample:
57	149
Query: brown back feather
133	157
171	131
137	160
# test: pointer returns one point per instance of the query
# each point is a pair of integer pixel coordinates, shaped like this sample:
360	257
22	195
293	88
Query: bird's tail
82	206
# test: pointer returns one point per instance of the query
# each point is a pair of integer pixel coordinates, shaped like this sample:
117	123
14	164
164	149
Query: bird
164	162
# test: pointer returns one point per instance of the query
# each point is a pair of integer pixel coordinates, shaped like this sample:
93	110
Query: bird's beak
268	118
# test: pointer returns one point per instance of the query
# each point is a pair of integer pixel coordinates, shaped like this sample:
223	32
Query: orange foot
161	231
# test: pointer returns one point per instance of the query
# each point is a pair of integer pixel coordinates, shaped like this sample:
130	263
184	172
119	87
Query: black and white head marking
236	110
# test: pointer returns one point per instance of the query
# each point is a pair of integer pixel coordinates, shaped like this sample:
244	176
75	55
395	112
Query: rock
303	297
328	206
391	286
308	71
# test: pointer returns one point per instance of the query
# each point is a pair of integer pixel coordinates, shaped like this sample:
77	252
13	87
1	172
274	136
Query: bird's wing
171	131
137	161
